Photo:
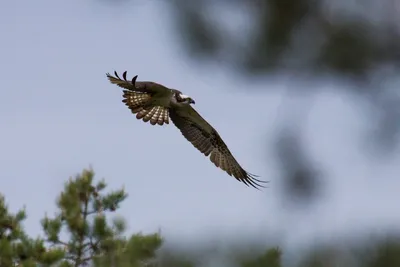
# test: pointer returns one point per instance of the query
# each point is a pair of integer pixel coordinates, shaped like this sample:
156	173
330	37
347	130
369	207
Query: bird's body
156	103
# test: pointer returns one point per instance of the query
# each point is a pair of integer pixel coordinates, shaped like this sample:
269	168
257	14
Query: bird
155	103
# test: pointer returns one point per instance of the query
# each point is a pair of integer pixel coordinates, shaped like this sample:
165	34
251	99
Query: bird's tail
138	103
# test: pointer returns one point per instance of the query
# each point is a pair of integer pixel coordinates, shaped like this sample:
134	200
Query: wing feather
133	85
207	140
140	96
124	83
137	103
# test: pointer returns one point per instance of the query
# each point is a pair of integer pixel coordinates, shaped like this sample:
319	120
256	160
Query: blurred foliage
271	258
82	234
387	254
258	36
302	181
355	42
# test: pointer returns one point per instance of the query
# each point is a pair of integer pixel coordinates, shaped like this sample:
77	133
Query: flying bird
155	103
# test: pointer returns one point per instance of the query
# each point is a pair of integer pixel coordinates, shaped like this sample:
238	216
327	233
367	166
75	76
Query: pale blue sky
59	114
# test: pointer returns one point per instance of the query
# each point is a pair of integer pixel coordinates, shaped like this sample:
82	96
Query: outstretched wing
140	96
207	140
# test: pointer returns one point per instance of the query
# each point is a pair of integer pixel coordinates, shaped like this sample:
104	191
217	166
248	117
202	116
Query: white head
181	98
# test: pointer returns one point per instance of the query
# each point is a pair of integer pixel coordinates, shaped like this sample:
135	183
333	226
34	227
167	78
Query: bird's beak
192	101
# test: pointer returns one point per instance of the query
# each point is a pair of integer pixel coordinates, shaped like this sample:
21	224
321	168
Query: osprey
156	103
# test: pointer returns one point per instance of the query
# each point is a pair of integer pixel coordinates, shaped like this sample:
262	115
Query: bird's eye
178	97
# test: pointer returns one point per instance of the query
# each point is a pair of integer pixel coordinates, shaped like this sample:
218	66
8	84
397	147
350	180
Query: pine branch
79	260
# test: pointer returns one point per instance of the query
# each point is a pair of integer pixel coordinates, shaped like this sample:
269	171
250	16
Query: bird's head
184	99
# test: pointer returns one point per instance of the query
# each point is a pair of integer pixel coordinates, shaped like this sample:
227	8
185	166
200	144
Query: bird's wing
138	104
139	98
207	140
133	85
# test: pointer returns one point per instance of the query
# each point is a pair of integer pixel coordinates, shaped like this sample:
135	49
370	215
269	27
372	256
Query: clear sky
59	114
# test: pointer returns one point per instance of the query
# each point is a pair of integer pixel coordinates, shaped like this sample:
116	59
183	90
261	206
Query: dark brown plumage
211	144
156	103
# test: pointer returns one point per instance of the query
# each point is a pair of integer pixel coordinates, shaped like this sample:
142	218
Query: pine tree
82	233
91	237
16	248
